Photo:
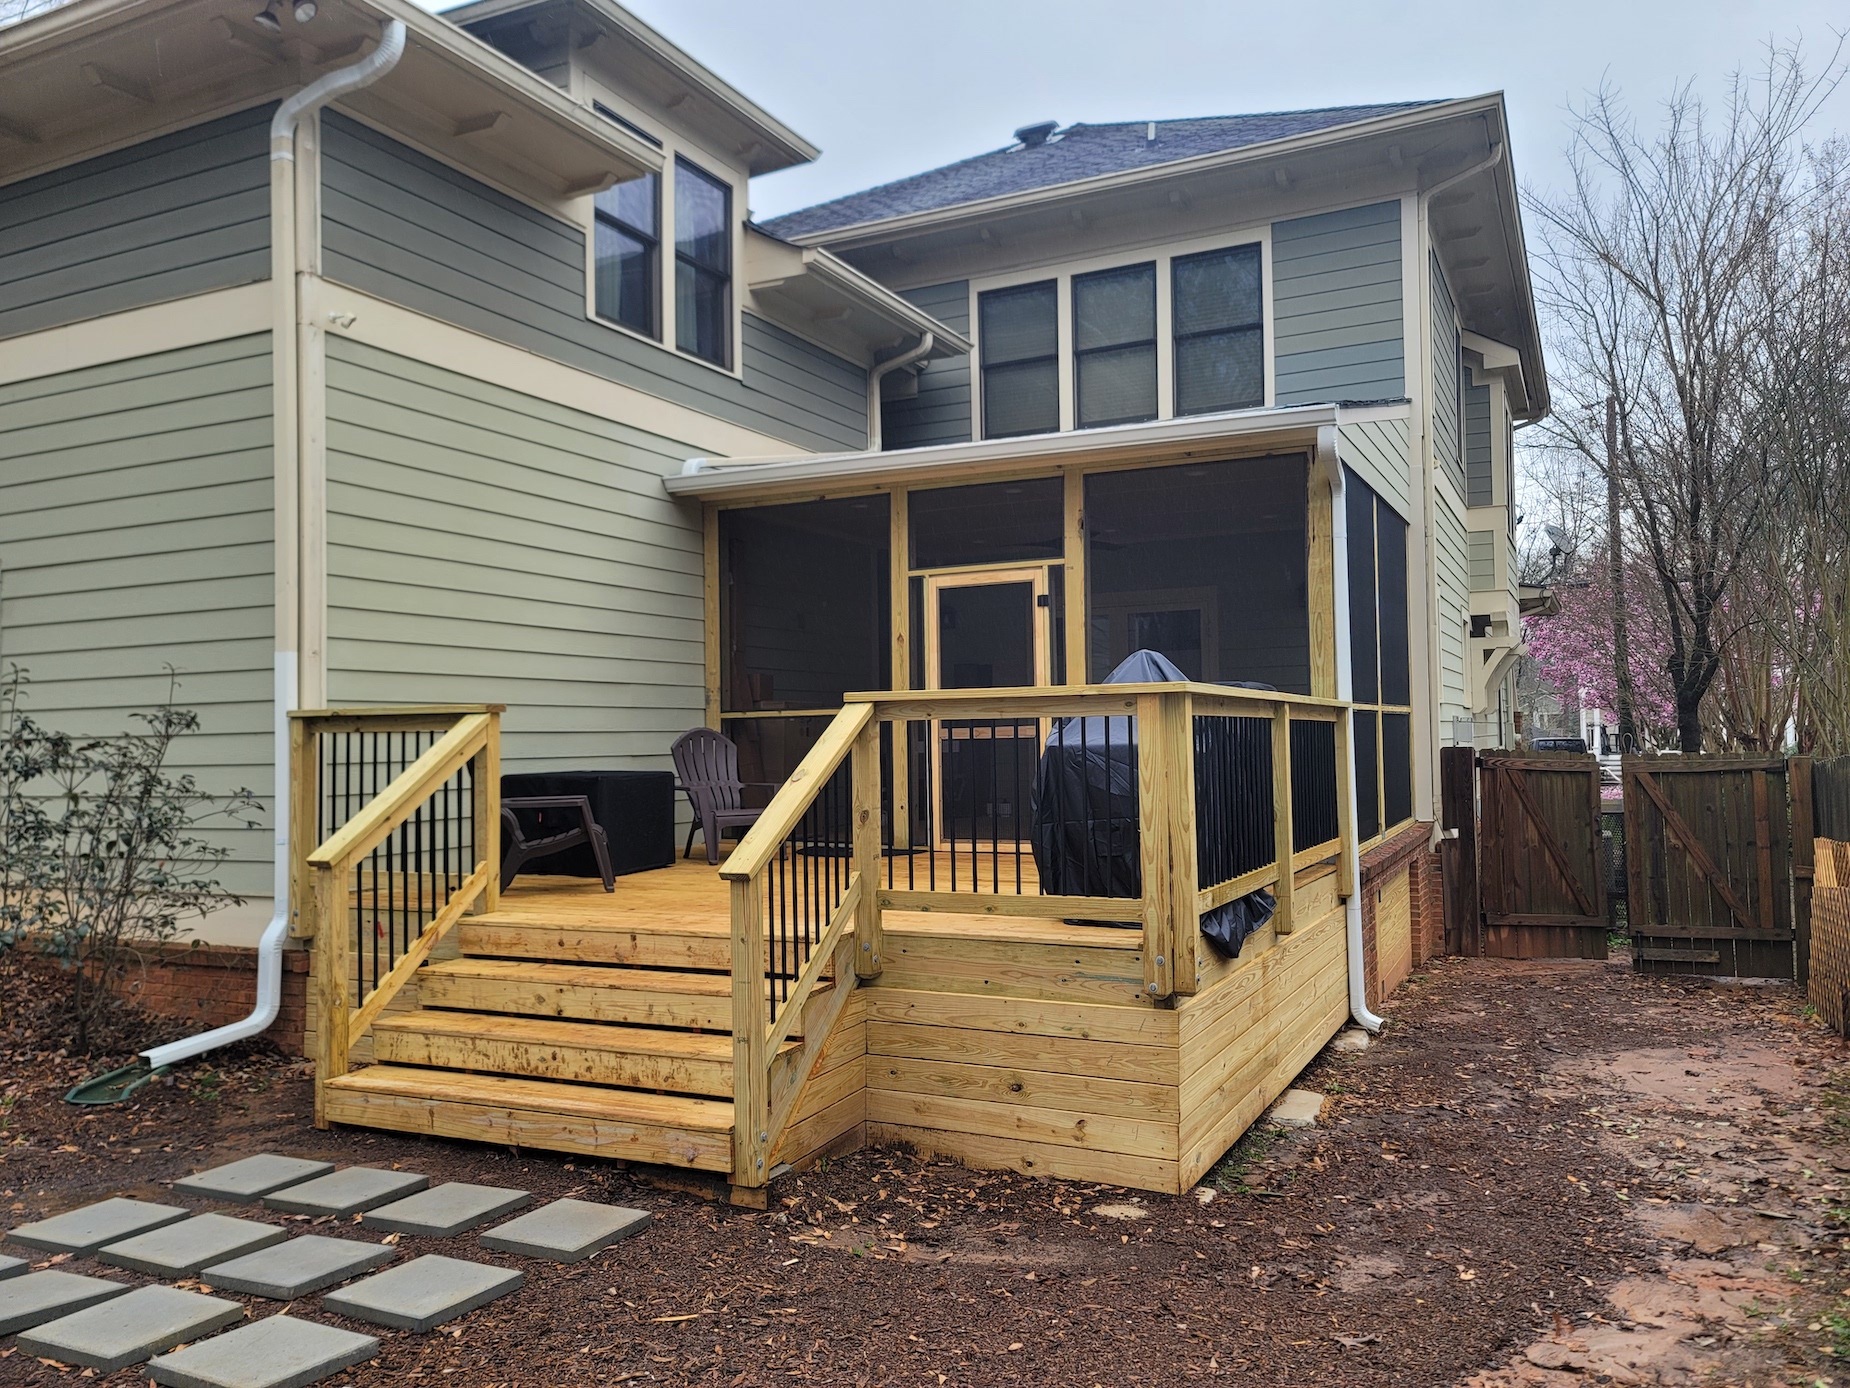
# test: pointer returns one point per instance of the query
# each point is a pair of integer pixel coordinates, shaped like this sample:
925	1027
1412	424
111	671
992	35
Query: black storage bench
635	809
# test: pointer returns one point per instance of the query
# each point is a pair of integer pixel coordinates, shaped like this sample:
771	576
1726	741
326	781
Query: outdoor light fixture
268	19
305	10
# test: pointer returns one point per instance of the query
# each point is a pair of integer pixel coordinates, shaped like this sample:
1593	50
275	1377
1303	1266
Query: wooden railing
1173	800
395	835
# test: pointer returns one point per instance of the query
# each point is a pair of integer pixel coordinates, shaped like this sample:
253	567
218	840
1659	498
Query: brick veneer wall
216	984
1405	852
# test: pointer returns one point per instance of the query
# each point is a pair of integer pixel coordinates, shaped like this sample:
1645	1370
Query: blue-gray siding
1479	486
1447	425
164	219
940	413
1338	329
406	228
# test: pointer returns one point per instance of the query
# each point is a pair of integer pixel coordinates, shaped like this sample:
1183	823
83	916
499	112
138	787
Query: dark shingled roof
1078	152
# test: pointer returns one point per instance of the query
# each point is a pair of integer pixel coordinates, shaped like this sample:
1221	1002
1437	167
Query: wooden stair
555	1030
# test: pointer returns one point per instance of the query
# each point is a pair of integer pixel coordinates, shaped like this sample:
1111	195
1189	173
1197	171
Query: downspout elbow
1329	463
917	352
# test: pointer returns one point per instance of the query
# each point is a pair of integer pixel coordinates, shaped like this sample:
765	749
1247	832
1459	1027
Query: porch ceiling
1198	436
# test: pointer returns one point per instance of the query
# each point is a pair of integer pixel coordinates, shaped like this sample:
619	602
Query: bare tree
1660	272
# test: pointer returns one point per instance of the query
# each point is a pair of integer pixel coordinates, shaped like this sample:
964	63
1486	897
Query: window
1219	331
1019	335
628	254
1381	674
1114	346
703	265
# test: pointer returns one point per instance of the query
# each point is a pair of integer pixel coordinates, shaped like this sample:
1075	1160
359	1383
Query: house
464	385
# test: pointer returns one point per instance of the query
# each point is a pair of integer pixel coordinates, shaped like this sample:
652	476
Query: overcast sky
890	89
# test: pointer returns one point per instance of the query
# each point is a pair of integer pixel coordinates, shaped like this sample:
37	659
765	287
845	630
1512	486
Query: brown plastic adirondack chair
708	765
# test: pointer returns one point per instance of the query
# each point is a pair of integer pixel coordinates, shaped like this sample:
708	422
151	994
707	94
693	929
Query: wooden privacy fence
1540	861
1710	856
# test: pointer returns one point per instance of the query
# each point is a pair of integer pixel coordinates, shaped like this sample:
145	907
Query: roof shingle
1077	152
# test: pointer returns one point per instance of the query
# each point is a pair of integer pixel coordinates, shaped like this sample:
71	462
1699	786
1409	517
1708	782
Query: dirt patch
1472	1209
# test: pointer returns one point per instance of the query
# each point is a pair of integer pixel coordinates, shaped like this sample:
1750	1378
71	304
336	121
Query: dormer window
703	265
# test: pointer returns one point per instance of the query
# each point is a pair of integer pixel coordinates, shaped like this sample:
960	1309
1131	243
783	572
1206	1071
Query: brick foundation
1404	852
212	985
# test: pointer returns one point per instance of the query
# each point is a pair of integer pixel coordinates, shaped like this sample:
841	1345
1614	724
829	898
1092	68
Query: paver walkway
64	1316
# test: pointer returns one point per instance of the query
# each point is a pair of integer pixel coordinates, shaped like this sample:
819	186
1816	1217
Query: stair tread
548	1096
547	1031
617	976
611	920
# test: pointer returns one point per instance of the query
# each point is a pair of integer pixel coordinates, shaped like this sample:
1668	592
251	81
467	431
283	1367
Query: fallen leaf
1356	1341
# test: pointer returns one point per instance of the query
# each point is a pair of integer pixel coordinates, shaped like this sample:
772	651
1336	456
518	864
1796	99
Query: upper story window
1114	346
1219	331
1020	344
703	264
629	254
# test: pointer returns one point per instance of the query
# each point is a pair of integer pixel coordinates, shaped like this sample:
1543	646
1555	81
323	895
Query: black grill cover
1084	830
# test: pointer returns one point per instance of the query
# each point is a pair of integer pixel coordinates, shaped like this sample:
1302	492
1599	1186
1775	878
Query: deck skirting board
1031	1158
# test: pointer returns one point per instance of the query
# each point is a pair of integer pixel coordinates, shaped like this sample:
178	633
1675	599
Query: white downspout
1332	468
880	371
283	276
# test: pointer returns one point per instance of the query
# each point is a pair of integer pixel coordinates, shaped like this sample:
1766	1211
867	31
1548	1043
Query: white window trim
674	146
1062	273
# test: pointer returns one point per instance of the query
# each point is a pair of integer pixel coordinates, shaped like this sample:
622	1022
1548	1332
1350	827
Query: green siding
171	217
1479	488
1483	560
135	534
940	413
1447	403
1454	561
399	225
1338	328
485	546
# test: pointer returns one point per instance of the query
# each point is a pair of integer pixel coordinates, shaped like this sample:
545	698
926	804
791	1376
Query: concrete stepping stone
248	1181
566	1231
1300	1108
445	1210
182	1249
278	1352
88	1229
12	1267
346	1192
423	1293
128	1329
44	1296
285	1271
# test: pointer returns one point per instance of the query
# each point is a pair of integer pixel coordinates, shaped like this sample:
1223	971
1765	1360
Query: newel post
869	942
1166	838
485	784
330	916
751	1092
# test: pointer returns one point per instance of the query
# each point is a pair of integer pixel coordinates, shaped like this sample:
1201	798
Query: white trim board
137	332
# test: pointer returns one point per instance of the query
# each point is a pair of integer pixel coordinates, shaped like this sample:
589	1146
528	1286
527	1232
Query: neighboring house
494	394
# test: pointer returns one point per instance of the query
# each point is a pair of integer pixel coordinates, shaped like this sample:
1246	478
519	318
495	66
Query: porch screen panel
1378	647
1397	766
1219	331
1367	774
1114	346
991	523
1364	650
1205	563
1019	344
1391	584
803	604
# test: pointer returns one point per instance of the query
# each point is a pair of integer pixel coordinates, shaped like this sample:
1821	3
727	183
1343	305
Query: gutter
881	370
285	273
1327	462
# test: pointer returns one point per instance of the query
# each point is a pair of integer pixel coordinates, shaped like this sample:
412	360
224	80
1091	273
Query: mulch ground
1488	1182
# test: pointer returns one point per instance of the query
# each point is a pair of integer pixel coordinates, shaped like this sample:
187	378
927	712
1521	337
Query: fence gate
1540	870
1709	865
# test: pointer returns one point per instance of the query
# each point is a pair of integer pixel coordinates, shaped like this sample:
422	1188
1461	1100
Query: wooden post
710	610
304	792
1804	863
865	770
1321	571
485	778
1184	872
1345	816
1155	833
751	1092
332	921
1075	549
1458	849
899	597
1286	888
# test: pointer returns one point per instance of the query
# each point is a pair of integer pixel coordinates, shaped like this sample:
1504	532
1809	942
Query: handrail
795	796
410	859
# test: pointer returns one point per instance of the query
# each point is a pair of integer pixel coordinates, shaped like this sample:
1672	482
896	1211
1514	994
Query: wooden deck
580	1021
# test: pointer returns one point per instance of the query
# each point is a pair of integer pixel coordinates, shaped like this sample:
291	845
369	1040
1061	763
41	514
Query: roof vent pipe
1032	136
